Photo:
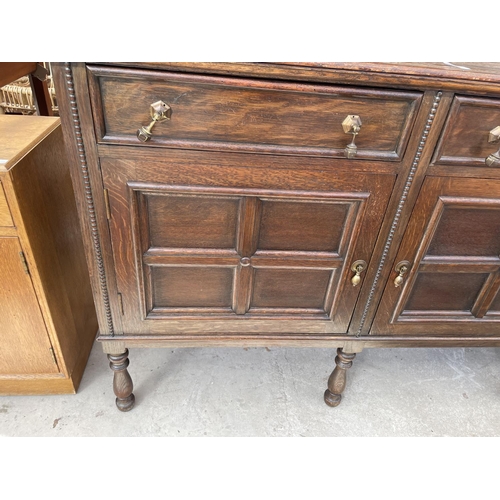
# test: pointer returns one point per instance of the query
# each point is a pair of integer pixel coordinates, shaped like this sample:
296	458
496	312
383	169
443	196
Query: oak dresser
342	205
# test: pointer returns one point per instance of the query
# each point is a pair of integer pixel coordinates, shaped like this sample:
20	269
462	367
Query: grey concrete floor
274	392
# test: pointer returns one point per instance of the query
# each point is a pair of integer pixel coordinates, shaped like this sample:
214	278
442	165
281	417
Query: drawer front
5	217
465	137
216	113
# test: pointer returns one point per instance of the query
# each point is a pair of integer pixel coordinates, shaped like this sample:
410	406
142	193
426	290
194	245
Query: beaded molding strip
89	198
402	201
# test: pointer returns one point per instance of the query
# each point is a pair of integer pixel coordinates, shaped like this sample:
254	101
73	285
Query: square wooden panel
445	292
184	221
467	231
306	226
290	288
191	287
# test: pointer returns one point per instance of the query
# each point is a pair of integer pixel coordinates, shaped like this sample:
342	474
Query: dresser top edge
472	76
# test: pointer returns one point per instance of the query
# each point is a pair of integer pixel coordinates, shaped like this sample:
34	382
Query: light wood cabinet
47	317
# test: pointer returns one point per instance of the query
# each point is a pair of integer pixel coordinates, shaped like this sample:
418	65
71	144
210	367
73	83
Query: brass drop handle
159	112
351	125
494	159
358	267
401	268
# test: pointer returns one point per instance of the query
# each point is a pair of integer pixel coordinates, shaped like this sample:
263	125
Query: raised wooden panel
302	226
453	245
5	217
199	251
250	115
445	292
191	287
464	140
467	231
24	343
186	221
290	288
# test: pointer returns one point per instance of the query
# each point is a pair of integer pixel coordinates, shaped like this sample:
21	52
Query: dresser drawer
465	137
5	217
219	113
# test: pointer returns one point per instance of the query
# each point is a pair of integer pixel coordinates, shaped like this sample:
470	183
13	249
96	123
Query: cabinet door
208	242
24	344
453	246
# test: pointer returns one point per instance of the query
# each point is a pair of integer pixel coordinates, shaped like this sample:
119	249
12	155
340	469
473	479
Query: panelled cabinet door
452	244
24	343
208	242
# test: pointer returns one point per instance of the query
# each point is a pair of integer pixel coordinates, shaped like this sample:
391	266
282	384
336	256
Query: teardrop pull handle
401	268
358	267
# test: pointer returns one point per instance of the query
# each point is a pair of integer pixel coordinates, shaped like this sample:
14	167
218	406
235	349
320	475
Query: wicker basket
17	97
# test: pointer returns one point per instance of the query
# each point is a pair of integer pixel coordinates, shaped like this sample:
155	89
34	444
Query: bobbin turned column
122	383
337	380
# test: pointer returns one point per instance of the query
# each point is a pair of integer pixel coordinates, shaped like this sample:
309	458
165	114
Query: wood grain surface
5	217
453	245
24	343
20	134
250	115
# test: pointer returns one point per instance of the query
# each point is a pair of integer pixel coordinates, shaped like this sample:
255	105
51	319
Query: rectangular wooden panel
185	221
464	140
250	115
5	216
307	226
467	231
290	288
191	287
24	343
451	292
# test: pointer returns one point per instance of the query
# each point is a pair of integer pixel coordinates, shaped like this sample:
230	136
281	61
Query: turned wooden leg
336	382
122	383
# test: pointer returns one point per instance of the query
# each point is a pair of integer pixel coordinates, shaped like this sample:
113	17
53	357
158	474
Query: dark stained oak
122	382
337	380
453	245
238	241
464	140
237	224
251	115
